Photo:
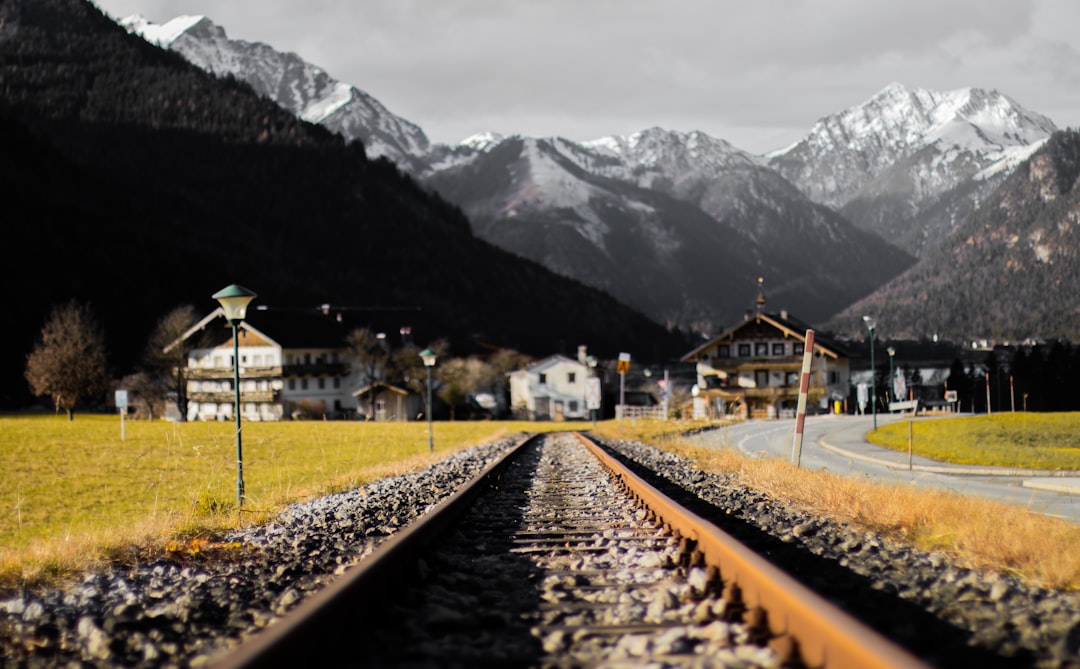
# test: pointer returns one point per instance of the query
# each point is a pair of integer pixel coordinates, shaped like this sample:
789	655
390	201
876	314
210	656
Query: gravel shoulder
168	613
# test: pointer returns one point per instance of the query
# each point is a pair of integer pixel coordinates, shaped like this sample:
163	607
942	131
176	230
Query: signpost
121	406
592	397
804	390
623	368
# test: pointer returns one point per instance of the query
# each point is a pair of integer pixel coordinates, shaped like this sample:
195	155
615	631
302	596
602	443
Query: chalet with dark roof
754	368
292	364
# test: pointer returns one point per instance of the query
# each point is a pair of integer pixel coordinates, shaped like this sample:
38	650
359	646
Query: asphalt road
837	444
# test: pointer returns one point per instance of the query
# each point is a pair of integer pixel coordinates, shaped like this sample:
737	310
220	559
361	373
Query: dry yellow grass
75	497
981	533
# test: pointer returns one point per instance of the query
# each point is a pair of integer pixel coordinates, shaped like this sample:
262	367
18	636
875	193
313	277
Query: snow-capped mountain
676	224
912	164
302	88
681	237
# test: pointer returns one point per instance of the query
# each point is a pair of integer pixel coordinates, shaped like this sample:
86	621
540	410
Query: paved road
837	444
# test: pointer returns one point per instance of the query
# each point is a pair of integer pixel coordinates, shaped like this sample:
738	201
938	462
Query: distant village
297	365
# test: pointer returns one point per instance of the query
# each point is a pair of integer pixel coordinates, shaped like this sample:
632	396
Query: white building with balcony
292	364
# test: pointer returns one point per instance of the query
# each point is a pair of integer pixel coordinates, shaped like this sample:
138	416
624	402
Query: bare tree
165	359
68	362
459	377
372	354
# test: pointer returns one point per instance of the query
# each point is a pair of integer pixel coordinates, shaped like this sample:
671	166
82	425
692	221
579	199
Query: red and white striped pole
804	390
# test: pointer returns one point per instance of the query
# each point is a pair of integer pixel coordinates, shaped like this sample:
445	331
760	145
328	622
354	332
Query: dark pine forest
136	183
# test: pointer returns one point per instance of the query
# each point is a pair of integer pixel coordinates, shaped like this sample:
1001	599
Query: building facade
550	389
753	370
292	365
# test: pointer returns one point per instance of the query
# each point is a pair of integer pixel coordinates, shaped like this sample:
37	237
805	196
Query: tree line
69	365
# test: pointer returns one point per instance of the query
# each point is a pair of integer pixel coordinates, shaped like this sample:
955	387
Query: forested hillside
136	182
1011	271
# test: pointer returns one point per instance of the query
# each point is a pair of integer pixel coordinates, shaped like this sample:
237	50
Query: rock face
304	89
911	165
676	225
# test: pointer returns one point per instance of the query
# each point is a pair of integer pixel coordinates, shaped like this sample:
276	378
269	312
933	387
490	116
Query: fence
635	412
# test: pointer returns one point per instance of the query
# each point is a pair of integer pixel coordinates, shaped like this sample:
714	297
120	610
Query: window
834	377
303	384
322	383
792	379
761	349
778	348
761	378
798	349
723	351
744	350
571	377
543	378
292	384
572	408
337	382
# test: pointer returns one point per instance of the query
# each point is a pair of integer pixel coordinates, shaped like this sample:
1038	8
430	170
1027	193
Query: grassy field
1029	440
978	532
75	495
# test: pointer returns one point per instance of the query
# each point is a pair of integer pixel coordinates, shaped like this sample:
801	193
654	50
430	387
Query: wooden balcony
316	369
200	373
228	396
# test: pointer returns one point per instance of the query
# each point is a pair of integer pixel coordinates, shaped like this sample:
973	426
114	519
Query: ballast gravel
168	613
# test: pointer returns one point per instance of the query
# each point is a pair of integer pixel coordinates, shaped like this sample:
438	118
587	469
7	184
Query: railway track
558	556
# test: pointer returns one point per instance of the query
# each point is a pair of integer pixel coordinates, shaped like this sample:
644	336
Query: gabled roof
789	326
549	362
381	385
287	329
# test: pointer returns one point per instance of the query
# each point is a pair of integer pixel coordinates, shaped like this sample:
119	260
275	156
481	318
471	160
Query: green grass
76	484
1028	440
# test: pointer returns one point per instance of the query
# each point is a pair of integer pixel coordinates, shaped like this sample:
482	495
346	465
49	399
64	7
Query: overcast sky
756	73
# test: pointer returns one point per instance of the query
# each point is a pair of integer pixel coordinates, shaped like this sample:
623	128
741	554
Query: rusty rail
801	624
300	637
805	629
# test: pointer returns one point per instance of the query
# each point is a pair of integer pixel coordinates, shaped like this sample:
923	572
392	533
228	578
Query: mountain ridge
139	182
562	203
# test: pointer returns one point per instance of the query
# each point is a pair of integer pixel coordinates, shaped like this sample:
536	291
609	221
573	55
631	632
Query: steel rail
303	637
802	626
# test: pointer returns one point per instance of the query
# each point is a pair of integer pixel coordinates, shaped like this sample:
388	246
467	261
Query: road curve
837	444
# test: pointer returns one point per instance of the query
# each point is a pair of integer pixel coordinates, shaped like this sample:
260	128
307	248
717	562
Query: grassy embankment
76	497
1028	440
981	533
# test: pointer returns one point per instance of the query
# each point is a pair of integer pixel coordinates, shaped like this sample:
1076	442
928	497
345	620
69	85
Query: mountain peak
162	34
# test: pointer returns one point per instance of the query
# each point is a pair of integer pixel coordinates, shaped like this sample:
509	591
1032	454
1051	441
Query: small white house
550	389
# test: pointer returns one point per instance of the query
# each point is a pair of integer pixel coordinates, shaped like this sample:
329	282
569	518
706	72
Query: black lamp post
870	324
891	394
234	301
428	356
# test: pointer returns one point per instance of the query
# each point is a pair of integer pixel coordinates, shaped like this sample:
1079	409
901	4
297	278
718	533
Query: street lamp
590	360
870	324
234	301
428	356
891	390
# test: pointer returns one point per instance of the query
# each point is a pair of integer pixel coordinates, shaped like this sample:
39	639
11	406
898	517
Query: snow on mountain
907	166
888	163
302	88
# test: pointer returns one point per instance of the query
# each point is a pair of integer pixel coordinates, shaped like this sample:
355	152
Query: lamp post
234	301
590	360
870	324
890	392
428	356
